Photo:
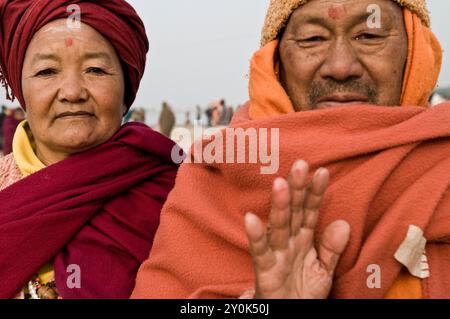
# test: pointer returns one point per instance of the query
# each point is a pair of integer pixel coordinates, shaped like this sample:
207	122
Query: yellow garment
28	163
46	274
23	151
406	286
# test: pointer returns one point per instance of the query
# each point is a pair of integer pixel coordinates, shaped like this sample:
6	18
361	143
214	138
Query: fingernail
299	165
279	184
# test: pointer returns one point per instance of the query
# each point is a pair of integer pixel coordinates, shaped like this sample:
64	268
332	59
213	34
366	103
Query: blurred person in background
166	120
10	123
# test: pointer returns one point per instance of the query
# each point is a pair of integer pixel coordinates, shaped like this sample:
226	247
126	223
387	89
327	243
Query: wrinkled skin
73	85
329	56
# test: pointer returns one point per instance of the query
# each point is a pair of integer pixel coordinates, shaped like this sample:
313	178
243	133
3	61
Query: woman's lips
68	115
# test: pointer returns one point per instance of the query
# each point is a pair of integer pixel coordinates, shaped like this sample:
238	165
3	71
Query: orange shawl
201	250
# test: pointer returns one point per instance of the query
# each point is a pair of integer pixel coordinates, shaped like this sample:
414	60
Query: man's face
341	52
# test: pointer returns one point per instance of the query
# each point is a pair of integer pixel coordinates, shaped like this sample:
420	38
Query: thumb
333	243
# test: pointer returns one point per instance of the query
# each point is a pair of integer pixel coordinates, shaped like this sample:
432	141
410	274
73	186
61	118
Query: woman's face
73	85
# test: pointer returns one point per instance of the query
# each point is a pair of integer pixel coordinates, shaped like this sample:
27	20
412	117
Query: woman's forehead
58	29
58	34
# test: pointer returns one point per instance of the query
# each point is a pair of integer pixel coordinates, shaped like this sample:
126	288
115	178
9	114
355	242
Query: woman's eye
46	72
96	70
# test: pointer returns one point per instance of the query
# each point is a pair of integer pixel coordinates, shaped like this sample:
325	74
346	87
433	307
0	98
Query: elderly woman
80	194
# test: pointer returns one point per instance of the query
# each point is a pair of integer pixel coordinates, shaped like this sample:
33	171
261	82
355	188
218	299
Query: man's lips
341	99
74	114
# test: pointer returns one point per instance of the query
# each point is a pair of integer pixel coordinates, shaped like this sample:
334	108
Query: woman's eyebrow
97	55
44	56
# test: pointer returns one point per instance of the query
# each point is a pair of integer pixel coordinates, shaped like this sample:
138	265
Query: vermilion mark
336	13
69	42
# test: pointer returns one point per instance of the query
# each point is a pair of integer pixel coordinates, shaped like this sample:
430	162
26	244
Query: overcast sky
200	49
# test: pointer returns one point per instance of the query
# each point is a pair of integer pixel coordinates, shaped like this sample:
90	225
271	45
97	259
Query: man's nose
341	62
72	88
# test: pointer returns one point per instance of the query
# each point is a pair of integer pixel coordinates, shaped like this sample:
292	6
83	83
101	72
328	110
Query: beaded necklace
38	290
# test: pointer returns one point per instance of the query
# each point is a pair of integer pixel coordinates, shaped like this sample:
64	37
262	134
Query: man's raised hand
287	263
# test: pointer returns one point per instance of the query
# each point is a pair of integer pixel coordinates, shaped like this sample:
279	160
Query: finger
303	242
333	243
298	181
279	218
263	257
314	197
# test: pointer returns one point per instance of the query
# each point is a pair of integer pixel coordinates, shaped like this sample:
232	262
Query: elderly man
347	84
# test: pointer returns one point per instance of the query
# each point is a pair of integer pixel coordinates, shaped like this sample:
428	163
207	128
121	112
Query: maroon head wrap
116	20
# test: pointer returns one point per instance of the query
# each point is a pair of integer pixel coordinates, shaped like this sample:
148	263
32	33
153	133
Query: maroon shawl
98	210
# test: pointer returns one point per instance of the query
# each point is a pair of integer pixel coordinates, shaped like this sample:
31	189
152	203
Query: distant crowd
216	114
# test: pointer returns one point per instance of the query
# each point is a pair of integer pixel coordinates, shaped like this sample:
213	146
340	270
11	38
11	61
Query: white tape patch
411	253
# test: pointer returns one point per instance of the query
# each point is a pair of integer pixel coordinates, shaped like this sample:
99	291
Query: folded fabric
386	175
96	211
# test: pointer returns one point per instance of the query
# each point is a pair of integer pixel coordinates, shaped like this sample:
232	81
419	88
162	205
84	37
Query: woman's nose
72	88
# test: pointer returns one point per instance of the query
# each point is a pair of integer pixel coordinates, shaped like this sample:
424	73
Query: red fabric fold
98	210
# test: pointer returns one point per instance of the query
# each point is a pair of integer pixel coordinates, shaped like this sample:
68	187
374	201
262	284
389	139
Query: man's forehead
345	3
355	11
280	11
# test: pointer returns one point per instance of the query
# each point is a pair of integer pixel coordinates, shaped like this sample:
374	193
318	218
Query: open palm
286	261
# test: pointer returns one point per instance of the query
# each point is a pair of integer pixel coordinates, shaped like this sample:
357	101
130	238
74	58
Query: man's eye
368	36
96	70
46	72
313	39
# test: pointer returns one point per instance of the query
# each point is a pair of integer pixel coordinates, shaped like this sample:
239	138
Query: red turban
116	20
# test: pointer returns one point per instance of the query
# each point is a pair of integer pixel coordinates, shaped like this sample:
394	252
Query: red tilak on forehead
336	12
69	42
